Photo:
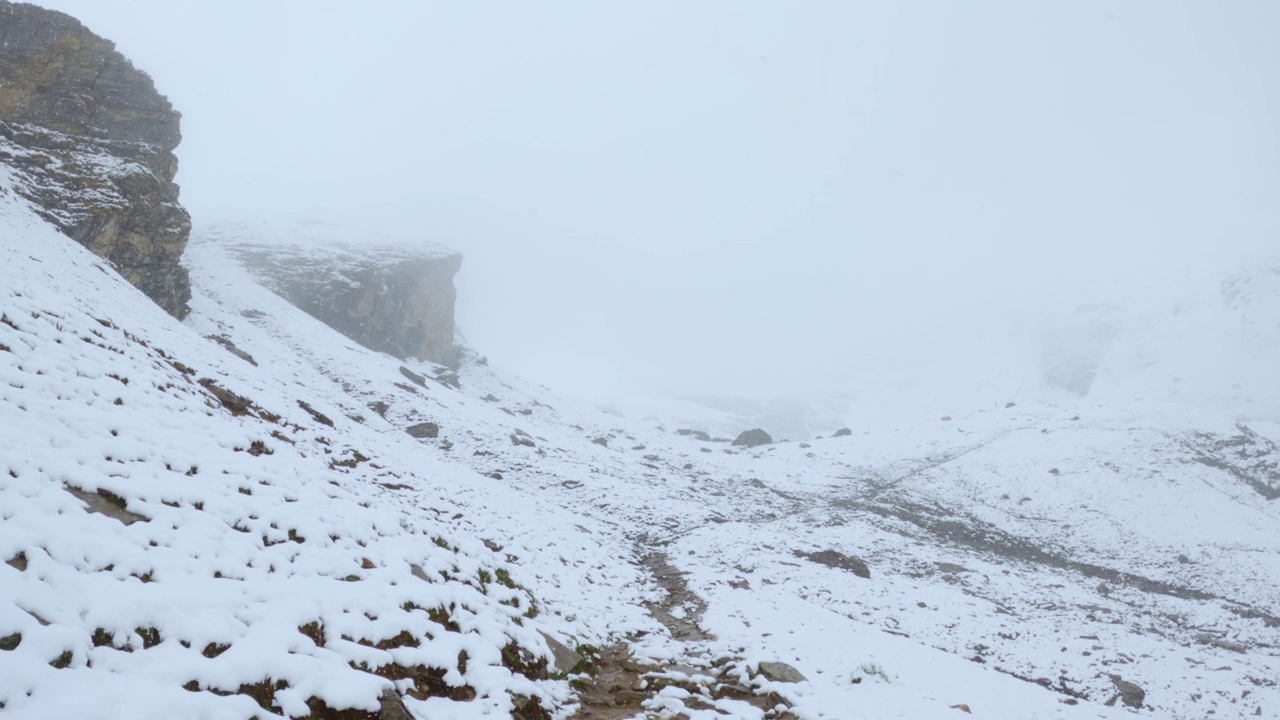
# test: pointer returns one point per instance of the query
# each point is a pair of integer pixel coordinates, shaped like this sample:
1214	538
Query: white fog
748	199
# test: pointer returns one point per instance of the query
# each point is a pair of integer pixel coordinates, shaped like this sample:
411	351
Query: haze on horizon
740	198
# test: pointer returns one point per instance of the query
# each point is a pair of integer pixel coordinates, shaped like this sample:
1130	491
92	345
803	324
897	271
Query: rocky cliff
89	140
382	292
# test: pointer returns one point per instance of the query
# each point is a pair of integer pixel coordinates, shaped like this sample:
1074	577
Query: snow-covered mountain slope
276	519
1083	546
183	538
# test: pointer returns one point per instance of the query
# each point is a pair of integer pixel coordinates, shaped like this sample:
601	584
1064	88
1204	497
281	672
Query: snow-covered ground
169	545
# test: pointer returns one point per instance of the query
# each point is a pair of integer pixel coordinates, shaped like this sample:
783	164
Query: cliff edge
386	293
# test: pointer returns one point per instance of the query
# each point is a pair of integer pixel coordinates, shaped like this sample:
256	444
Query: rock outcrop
384	293
752	438
89	141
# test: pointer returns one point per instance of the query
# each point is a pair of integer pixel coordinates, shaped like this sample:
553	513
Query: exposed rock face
90	142
385	294
404	308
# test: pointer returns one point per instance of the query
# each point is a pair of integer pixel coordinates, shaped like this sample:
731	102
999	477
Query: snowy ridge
296	237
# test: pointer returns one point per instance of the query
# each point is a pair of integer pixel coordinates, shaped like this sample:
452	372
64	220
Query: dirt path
620	683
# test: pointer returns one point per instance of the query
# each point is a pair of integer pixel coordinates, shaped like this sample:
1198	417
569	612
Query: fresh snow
1042	540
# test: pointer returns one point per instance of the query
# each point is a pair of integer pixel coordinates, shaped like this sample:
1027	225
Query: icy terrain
194	532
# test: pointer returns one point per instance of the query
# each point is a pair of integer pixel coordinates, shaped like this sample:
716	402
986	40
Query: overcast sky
745	197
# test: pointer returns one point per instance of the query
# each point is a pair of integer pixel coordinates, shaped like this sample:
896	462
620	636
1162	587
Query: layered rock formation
383	293
88	139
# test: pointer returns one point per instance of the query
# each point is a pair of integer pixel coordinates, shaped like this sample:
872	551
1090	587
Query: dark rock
413	376
842	432
315	414
90	142
696	434
1009	405
448	378
522	440
1130	694
601	441
231	348
780	672
753	438
379	407
423	430
837	560
946	418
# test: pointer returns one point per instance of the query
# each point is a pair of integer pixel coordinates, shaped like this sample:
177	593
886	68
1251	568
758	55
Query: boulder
842	432
423	430
780	672
753	438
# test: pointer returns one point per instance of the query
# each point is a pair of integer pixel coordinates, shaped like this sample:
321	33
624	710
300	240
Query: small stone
601	441
392	707
563	658
842	432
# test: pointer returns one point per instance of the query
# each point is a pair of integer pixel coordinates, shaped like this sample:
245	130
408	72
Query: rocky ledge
88	139
384	293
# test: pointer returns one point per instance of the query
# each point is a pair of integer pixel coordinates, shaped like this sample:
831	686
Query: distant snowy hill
278	522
